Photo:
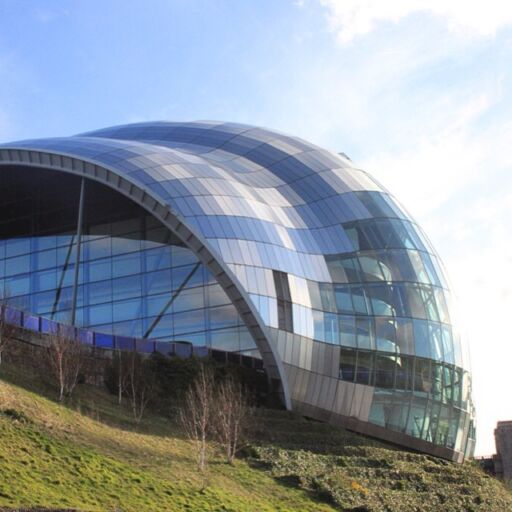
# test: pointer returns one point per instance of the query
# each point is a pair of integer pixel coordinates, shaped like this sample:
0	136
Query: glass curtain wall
387	306
134	278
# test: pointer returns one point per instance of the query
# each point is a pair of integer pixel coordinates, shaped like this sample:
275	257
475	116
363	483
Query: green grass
90	455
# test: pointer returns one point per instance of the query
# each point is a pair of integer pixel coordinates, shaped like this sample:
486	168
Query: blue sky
417	92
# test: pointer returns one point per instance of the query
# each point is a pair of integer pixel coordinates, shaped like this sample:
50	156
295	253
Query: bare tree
139	382
6	330
230	413
66	357
121	362
121	377
196	413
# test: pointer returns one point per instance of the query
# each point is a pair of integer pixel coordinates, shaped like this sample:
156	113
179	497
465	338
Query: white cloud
353	18
440	159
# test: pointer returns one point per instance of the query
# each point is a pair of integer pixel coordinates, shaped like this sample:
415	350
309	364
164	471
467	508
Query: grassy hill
90	455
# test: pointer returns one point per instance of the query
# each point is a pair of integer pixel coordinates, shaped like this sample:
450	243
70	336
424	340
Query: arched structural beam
195	242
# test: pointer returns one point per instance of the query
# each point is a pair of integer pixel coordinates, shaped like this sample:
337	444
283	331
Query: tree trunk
202	460
61	380
120	381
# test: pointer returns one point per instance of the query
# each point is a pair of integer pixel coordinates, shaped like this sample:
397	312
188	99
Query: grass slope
95	458
358	474
91	456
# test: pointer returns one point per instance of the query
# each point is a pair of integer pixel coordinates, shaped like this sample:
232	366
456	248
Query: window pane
416	419
223	316
126	264
347	364
422	377
348	331
421	338
127	309
100	314
436	342
371	268
343	299
365	333
99	292
360	301
226	339
189	321
385	371
126	287
187	299
385	334
364	373
99	270
404	373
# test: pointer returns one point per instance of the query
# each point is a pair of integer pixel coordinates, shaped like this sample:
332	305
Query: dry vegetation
215	411
66	359
6	330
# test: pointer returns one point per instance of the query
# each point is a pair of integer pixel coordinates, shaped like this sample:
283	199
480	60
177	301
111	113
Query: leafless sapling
230	414
196	413
140	383
66	357
121	363
6	330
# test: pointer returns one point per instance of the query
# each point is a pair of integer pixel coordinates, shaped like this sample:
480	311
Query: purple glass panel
104	340
68	330
125	343
31	322
146	346
13	316
164	347
48	326
85	336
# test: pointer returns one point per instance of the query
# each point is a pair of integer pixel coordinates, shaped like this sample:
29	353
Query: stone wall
503	436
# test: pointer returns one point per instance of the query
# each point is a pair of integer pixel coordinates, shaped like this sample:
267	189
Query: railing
183	349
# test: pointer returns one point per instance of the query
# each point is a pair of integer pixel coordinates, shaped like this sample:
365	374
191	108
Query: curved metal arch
195	242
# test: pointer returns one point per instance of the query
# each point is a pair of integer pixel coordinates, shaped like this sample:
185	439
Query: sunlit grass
89	454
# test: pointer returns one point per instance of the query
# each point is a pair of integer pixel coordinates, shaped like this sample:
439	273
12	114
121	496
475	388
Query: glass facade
134	279
346	293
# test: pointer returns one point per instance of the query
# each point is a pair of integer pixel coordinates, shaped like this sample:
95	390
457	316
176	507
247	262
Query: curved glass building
250	241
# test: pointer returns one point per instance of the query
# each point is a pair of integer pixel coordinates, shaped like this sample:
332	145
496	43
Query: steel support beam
78	250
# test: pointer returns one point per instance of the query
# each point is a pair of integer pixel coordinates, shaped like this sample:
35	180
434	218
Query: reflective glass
365	368
365	333
416	418
385	367
348	331
421	338
347	364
